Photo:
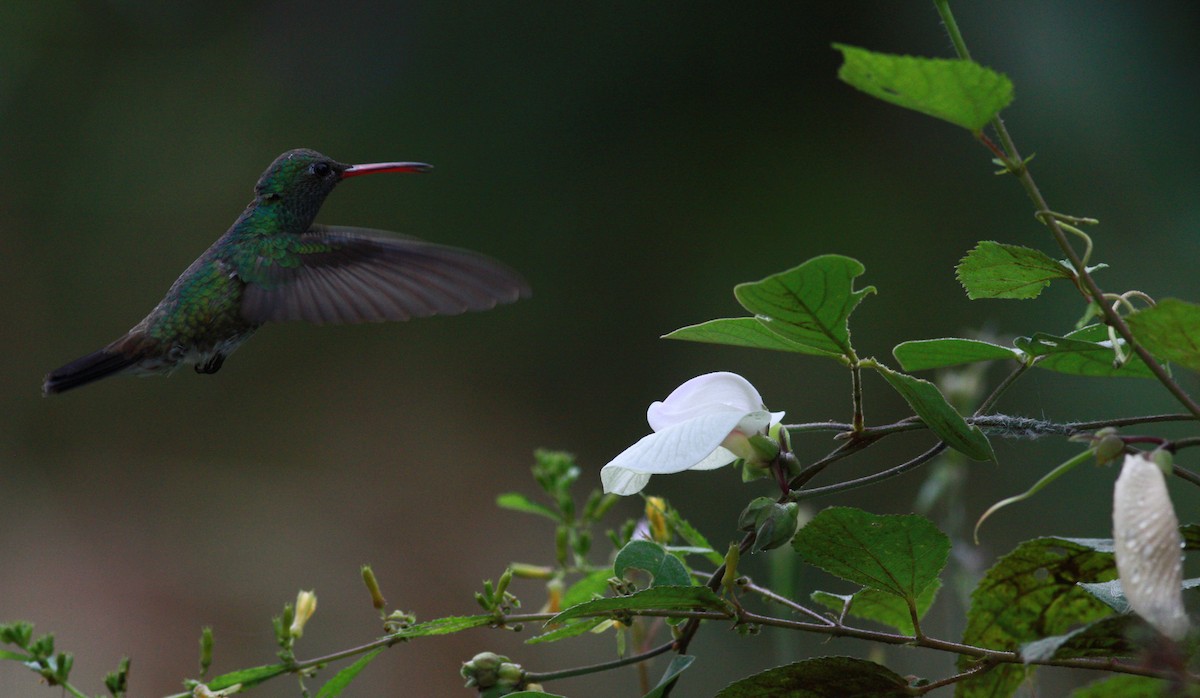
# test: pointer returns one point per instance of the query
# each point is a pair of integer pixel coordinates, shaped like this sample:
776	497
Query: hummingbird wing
341	275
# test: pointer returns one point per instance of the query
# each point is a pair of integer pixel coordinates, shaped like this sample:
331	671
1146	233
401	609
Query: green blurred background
635	161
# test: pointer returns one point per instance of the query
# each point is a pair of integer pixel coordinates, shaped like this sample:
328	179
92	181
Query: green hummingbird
275	264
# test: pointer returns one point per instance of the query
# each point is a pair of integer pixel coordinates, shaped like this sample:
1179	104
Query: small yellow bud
377	600
306	606
656	508
554	595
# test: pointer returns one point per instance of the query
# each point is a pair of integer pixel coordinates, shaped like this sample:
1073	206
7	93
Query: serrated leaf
568	630
1108	593
898	554
1107	637
1095	363
937	413
1111	594
516	501
1170	330
677	666
1029	594
1125	686
594	584
665	598
880	606
334	686
650	557
247	677
822	677
995	270
924	354
444	626
959	91
809	304
1084	352
742	332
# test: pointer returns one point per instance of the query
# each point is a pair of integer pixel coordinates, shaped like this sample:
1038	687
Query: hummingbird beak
373	168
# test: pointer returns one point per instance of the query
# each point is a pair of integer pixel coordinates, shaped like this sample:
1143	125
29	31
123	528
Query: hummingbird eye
320	169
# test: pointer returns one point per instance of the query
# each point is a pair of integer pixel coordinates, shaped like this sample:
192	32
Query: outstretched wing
339	275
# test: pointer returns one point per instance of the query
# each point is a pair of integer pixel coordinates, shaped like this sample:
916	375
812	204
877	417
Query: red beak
356	170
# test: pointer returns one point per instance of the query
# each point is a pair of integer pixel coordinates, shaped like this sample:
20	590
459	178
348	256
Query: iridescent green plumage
274	264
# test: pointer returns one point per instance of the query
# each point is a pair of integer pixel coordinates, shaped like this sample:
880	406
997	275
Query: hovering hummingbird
274	264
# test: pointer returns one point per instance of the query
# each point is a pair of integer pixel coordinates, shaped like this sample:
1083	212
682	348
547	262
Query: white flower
1148	546
703	424
306	606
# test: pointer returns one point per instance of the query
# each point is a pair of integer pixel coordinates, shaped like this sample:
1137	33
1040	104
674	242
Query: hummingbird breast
199	319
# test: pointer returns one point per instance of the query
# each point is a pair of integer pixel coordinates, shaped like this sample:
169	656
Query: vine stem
1019	169
539	677
857	396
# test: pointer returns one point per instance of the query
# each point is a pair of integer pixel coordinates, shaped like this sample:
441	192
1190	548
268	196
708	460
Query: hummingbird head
299	180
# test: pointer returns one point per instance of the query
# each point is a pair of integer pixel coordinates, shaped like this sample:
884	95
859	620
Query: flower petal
701	395
679	447
1148	546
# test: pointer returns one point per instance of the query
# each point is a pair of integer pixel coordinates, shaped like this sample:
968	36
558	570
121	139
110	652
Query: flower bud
488	669
657	520
306	605
481	670
773	523
1108	447
749	516
206	649
776	526
377	600
1147	546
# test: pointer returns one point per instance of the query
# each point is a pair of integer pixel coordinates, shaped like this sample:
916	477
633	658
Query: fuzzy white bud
1148	546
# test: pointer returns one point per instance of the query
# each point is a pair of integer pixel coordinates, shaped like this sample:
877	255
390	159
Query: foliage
1050	602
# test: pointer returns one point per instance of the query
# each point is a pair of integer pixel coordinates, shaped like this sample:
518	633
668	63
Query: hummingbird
275	264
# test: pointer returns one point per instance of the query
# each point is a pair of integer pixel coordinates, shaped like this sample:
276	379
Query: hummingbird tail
84	370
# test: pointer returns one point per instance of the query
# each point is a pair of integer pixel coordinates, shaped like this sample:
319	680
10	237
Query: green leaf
444	626
1107	637
567	630
1084	352
995	270
881	607
1124	686
923	354
519	502
809	304
334	686
645	555
901	555
247	677
692	536
1029	594
15	656
671	675
959	91
589	587
531	694
822	677
1112	595
742	332
933	409
665	598
1170	330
